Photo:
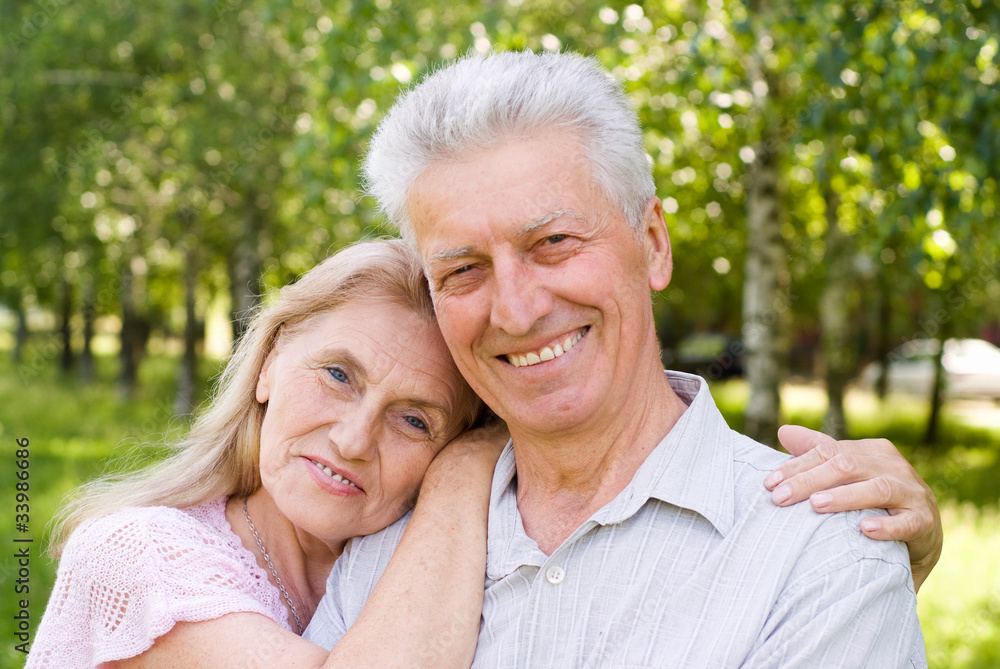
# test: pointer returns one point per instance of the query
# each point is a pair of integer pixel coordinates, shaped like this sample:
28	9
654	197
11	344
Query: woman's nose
354	436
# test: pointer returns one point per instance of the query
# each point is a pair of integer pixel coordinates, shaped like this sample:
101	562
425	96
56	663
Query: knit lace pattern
127	578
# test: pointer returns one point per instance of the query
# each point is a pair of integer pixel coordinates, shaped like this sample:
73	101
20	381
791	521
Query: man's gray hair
480	101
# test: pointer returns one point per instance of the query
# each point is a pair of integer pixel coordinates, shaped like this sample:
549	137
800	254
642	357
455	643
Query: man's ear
263	389
659	261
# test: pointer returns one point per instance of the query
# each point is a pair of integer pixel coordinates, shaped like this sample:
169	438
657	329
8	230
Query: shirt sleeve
127	578
355	574
858	614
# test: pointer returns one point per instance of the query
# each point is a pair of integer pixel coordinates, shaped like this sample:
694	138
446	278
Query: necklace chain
267	559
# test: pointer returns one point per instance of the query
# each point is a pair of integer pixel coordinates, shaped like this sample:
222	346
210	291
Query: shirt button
555	575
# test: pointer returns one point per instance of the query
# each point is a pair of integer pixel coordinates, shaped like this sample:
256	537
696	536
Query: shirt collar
507	545
691	468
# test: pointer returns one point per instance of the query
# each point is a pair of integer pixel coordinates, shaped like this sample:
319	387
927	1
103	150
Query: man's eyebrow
452	254
529	227
547	218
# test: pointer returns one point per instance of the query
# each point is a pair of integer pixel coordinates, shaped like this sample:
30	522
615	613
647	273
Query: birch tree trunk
21	337
130	335
89	316
187	379
763	298
883	334
65	326
834	313
937	390
946	327
244	273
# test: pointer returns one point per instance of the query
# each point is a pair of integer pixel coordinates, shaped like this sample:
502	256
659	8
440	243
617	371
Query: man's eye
338	374
463	269
555	239
416	422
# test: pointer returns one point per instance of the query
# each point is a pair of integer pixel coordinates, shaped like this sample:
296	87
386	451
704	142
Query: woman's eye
416	422
463	269
338	374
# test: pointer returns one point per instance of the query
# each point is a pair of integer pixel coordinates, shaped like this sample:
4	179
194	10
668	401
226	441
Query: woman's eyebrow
326	356
443	412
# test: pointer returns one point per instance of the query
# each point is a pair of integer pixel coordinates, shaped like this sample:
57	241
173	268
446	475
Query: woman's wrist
468	461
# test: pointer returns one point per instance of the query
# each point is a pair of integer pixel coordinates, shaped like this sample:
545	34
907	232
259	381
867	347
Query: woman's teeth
329	472
546	354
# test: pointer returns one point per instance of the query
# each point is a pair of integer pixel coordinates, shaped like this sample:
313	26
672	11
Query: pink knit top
127	578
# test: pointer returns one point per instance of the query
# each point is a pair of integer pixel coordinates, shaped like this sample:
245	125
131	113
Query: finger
834	469
804	443
876	493
797	439
817	456
904	526
792	467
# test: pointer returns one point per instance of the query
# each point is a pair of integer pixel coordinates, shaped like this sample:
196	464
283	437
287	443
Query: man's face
540	286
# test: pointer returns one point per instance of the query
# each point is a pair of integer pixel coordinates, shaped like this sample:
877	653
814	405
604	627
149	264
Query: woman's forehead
385	338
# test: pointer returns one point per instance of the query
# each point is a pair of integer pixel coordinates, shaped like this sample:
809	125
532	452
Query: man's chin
545	421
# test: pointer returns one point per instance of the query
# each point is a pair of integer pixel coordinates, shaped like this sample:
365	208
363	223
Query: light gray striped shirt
690	566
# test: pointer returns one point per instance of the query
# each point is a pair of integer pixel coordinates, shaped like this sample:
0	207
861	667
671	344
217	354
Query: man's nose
520	299
354	435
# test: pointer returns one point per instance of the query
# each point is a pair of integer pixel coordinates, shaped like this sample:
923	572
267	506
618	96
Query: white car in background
971	366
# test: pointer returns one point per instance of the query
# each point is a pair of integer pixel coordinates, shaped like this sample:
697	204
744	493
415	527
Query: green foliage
133	135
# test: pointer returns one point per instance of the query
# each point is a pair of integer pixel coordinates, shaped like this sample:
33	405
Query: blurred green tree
829	171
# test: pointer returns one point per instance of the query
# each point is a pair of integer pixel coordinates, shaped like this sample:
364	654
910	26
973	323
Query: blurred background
829	174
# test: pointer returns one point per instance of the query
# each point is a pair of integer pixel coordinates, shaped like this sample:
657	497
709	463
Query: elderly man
628	525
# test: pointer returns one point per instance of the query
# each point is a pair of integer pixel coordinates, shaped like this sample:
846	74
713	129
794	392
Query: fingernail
821	499
781	494
773	479
869	524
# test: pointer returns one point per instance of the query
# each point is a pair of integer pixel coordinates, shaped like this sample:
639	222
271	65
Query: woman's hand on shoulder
862	474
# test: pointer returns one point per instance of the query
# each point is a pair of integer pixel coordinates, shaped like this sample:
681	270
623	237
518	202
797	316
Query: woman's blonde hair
219	455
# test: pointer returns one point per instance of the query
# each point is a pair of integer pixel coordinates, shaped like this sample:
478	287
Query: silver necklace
267	559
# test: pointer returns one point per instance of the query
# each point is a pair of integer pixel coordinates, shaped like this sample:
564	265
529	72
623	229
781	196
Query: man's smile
546	353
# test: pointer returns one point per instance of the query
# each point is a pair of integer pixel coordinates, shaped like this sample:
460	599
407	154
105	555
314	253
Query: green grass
959	605
76	431
79	430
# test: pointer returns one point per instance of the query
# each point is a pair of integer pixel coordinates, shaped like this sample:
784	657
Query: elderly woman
335	403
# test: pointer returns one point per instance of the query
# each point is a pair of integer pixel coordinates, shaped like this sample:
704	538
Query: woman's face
358	403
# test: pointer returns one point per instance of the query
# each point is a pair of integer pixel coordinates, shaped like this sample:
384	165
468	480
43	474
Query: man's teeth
336	477
546	354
